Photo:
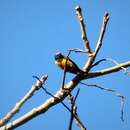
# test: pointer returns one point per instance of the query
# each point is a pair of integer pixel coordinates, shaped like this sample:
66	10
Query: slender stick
91	59
64	74
108	70
116	63
77	50
60	94
19	104
74	112
102	32
113	61
122	98
83	30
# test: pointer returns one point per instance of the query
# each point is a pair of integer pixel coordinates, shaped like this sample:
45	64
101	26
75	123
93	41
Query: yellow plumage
71	67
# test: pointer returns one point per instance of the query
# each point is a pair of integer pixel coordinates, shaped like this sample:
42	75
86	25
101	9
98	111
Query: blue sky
32	31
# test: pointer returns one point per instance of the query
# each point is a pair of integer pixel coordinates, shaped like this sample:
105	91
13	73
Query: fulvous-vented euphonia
71	67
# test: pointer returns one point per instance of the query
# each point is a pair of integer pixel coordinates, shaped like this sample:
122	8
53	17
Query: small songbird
71	67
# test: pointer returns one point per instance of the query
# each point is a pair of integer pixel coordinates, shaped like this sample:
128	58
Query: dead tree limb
61	94
72	101
83	30
91	59
18	105
108	70
122	98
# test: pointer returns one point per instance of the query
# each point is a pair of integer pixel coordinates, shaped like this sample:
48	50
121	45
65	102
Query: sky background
32	31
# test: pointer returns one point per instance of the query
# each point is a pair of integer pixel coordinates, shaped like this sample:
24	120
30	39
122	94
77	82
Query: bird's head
58	56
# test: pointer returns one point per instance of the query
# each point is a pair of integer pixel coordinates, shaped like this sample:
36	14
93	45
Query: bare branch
50	94
113	91
98	62
64	74
58	97
77	50
83	31
79	123
116	63
74	112
70	97
91	59
62	94
113	61
108	70
103	29
18	105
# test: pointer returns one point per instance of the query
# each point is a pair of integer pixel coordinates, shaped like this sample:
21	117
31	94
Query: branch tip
106	16
44	77
78	8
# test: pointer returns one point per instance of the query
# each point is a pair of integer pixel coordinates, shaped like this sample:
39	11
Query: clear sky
32	31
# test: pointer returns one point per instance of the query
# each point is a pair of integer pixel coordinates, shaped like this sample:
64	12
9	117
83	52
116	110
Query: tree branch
102	32
18	105
122	98
74	112
61	94
91	59
108	70
83	30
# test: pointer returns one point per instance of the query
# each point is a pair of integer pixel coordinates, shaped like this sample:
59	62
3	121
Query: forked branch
91	59
18	105
61	94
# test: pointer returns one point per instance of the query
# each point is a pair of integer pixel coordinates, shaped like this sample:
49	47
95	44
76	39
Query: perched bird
71	67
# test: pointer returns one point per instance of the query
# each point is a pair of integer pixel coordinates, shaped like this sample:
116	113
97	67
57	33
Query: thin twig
97	63
19	104
102	32
47	92
113	91
113	61
73	108
77	50
122	105
79	123
91	59
75	98
71	114
71	120
50	94
74	112
116	63
83	30
64	74
107	71
61	95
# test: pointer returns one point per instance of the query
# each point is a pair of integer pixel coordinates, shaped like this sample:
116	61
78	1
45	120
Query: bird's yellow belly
62	63
70	66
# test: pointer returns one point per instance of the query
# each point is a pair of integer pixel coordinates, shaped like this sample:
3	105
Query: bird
70	65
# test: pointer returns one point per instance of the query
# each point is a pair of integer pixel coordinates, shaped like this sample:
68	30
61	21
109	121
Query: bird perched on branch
65	62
